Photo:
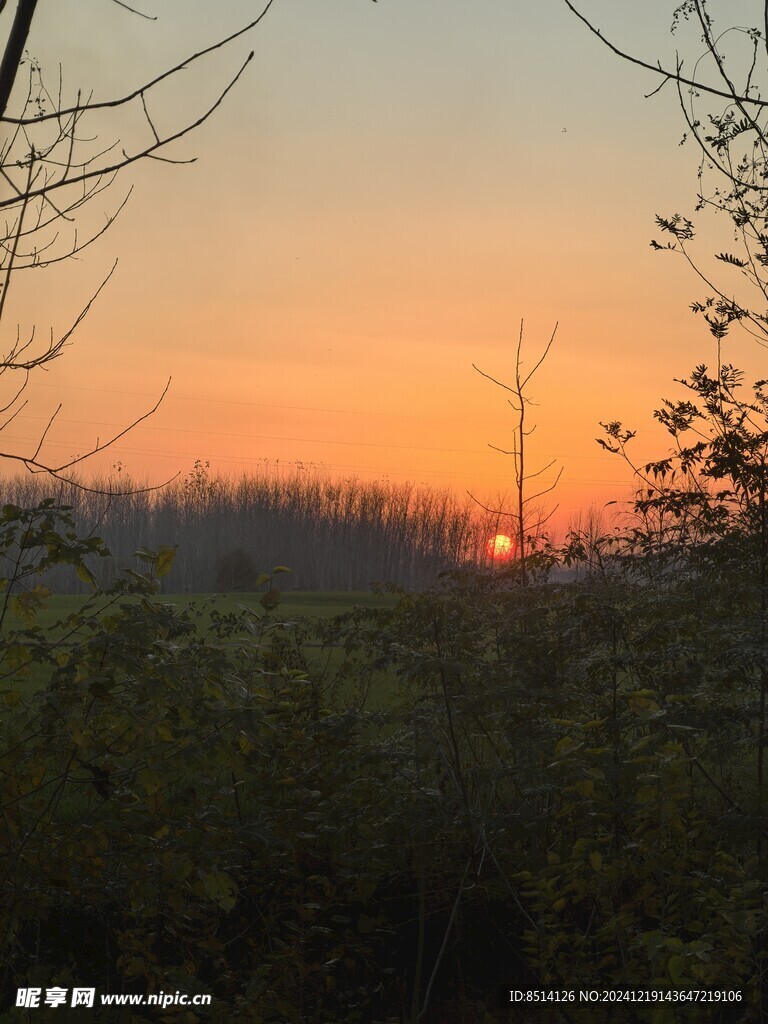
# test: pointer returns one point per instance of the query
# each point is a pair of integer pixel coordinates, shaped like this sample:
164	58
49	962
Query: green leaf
221	889
85	574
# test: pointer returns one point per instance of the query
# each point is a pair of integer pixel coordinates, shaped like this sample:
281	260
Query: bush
236	571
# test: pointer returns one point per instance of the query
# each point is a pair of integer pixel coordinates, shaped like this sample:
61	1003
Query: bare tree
54	165
726	118
529	517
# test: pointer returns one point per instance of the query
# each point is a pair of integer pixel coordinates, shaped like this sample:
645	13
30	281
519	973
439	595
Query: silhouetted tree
529	517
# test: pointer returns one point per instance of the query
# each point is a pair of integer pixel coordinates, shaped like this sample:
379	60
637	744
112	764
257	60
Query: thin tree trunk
14	50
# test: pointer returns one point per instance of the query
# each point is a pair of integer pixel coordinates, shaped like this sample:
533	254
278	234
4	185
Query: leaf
26	605
596	860
675	969
164	560
219	887
726	257
638	702
85	574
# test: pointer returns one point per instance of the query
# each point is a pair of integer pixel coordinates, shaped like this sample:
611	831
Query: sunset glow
377	236
500	548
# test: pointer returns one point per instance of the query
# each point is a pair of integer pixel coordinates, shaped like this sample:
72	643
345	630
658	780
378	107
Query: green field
305	604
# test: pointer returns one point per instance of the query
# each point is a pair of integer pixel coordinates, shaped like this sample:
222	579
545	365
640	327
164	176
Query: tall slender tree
528	518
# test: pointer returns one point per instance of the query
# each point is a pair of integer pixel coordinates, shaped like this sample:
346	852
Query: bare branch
51	167
108	444
549	489
494	381
182	65
141	14
657	69
35	465
544	355
46	189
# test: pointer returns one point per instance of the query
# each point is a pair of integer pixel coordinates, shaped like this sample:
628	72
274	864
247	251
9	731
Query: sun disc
500	547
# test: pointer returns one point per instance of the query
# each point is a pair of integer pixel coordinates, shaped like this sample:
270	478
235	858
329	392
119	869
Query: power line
304	440
270	405
120	450
258	405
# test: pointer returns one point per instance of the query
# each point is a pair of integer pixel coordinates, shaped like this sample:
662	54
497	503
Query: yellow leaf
642	704
596	860
85	574
221	889
164	560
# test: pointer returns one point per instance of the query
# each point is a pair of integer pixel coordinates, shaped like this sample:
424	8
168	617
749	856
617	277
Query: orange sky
391	188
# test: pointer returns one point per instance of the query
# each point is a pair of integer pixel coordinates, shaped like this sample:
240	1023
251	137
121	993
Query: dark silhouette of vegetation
236	571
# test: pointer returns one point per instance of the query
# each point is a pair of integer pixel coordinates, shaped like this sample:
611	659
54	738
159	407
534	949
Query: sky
389	190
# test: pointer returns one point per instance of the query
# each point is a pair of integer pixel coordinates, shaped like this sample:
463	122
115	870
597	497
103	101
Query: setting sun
500	547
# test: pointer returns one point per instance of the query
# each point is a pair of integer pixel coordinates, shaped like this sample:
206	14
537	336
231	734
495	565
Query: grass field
305	604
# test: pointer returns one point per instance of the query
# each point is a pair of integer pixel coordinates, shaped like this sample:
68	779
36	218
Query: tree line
333	534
